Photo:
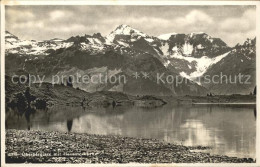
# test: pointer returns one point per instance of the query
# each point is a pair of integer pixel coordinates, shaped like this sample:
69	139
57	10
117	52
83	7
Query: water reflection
228	129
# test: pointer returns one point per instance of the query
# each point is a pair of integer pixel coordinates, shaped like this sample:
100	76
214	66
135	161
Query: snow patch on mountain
166	36
123	43
202	64
200	46
11	40
196	33
187	48
97	41
93	48
164	48
166	64
149	39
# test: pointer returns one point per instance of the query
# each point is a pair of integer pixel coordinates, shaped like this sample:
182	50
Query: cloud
238	29
194	17
242	24
233	24
134	20
144	23
59	14
28	25
19	15
66	28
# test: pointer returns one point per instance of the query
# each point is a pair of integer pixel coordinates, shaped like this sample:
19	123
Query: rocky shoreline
58	147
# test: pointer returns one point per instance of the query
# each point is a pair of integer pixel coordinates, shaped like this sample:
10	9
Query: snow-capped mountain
190	55
194	44
125	50
129	37
125	32
31	47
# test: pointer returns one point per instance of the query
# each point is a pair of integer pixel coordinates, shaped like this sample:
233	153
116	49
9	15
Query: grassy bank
56	147
65	95
49	94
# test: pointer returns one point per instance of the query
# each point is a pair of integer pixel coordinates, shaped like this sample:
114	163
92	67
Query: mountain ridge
188	55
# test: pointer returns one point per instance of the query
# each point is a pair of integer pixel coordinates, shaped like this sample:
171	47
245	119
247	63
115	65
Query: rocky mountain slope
241	60
125	51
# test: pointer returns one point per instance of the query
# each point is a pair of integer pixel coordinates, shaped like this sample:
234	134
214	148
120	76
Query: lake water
228	129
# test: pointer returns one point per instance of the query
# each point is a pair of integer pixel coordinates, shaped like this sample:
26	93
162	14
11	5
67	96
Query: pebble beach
59	147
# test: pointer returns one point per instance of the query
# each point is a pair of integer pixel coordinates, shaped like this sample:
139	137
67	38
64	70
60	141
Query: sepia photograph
129	83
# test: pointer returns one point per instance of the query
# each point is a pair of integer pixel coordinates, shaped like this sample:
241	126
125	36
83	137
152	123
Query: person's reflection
27	115
69	124
114	104
48	115
255	112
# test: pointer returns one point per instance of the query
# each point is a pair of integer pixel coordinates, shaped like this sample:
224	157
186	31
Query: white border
125	2
129	2
258	82
2	83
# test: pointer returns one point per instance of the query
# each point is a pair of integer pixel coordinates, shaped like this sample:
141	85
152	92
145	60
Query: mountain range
126	51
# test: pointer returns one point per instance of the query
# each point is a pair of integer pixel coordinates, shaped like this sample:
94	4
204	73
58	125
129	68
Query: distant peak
10	35
57	39
197	33
248	41
124	29
127	30
7	33
97	35
123	26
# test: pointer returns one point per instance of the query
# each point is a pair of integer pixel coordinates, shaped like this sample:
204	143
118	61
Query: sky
233	24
